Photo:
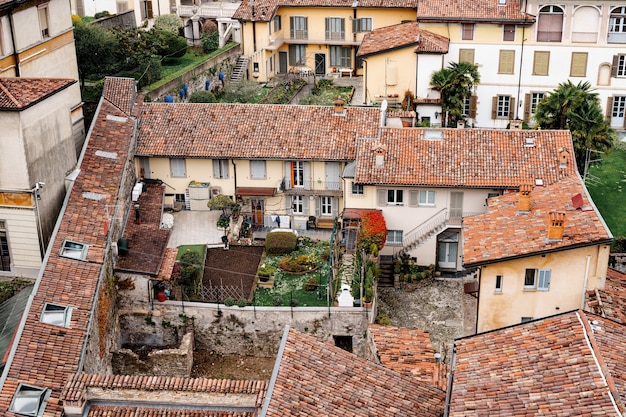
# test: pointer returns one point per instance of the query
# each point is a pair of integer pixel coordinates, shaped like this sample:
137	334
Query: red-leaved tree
373	230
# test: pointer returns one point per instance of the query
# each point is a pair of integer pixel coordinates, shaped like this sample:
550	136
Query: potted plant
374	252
266	271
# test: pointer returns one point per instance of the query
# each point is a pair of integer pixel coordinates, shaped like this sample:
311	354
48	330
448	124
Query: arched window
550	24
586	24
617	25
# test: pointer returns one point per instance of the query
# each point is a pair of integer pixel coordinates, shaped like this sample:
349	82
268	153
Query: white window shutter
289	204
305	205
216	168
381	197
335	207
318	207
307	176
413	198
543	283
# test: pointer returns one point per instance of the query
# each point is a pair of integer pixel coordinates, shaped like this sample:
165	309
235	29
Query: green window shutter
511	108
527	103
494	107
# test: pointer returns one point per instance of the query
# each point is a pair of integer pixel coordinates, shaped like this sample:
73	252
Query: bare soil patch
233	270
212	365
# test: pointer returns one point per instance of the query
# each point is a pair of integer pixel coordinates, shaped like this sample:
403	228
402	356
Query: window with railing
617	25
340	56
297	55
335	28
299	27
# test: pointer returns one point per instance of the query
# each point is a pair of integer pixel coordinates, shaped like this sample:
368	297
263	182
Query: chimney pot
557	225
339	105
524	197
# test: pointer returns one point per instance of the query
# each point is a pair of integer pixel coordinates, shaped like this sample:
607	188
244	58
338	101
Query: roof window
74	250
529	142
29	400
56	315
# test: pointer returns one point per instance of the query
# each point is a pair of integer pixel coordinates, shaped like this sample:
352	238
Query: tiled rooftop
565	365
316	378
20	93
264	10
401	36
505	232
253	131
410	352
485	158
473	10
45	354
610	301
146	240
116	411
119	394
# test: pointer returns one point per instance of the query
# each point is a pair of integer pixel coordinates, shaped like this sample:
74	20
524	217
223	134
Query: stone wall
162	362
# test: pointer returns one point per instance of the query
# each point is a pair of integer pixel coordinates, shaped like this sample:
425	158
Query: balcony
212	10
323	37
317	187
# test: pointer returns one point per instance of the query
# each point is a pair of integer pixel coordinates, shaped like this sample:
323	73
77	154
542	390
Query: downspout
355	4
446	408
582	301
480	274
521	60
365	101
234	176
15	54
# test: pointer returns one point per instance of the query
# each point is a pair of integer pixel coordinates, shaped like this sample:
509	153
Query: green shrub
302	263
280	243
230	301
210	41
383	320
266	270
190	268
242	302
294	303
101	14
202	96
619	245
172	45
277	301
169	22
311	284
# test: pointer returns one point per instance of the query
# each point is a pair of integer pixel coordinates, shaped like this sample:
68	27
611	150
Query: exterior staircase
239	71
424	231
385	279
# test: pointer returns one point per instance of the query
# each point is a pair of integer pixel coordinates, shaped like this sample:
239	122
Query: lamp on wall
436	115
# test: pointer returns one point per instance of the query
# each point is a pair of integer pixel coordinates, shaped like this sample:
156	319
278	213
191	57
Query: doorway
320	64
282	62
258	213
447	249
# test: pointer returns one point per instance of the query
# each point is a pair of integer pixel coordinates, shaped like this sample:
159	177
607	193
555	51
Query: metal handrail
425	227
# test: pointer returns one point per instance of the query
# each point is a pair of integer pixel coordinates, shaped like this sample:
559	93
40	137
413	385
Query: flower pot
264	278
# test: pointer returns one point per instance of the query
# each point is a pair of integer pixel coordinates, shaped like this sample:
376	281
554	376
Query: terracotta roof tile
117	411
472	10
409	352
402	36
21	93
121	93
505	232
318	378
253	131
485	158
45	354
146	240
610	301
570	364
264	10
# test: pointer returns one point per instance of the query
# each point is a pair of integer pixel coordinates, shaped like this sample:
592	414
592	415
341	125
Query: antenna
383	110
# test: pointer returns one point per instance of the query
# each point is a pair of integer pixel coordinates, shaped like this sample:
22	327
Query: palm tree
577	109
455	85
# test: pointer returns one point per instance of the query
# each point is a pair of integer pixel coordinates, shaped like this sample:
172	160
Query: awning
256	191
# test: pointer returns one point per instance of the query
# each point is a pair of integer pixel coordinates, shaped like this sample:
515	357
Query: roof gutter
279	357
446	408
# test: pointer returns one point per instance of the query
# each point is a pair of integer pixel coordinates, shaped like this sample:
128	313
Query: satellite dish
383	105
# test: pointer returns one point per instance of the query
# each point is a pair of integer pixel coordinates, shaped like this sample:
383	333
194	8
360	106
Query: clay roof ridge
6	91
607	377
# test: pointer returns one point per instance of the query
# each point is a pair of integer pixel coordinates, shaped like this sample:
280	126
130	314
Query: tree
95	50
455	84
168	44
168	22
576	108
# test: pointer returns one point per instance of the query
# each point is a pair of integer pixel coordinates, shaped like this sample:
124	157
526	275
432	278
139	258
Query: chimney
524	197
516	124
563	158
339	109
460	124
379	151
557	225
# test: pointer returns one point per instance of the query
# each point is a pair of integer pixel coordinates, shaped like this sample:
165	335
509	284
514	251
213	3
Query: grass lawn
326	95
291	287
609	192
194	248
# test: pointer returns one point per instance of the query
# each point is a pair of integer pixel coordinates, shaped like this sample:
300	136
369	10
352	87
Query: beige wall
23	239
567	285
13	169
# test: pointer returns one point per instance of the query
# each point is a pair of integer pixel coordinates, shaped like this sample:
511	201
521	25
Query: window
257	170
618	106
299	27
466	55
42	12
503	107
220	168
508	33
550	24
506	61
526	319
426	198
363	24
29	400
177	166
278	24
617	25
298	204
498	283
395	197
541	63
357	188
5	258
537	279
586	24
122	6
326	206
56	315
335	29
467	31
74	250
394	237
467	107
579	64
619	66
297	173
297	54
340	56
535	98
146	9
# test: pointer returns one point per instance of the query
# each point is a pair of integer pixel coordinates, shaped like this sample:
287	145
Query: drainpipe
521	60
446	408
15	54
234	176
582	301
480	274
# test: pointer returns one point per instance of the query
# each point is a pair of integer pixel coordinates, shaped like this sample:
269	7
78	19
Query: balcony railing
314	186
209	10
